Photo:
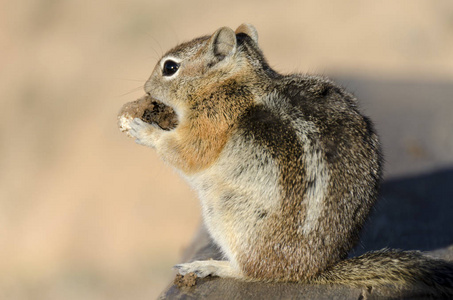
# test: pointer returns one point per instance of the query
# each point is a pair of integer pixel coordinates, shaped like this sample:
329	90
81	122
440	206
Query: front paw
144	133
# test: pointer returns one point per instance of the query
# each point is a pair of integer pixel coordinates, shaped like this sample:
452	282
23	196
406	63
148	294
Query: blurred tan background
85	213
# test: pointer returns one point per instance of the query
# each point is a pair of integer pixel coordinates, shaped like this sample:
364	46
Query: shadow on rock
413	213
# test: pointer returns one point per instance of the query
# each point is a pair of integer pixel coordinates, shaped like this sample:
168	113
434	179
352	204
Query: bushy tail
402	270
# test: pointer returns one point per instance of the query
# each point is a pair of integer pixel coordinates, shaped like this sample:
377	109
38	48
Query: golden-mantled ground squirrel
286	167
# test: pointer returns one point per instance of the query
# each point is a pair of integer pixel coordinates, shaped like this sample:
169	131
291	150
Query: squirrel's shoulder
302	95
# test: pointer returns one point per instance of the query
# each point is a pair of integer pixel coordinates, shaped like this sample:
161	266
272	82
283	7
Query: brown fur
209	125
286	166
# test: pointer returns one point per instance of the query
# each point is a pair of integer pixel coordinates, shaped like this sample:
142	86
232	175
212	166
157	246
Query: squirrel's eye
170	68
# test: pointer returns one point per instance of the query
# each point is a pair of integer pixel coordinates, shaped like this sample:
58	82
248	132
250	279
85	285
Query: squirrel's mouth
160	114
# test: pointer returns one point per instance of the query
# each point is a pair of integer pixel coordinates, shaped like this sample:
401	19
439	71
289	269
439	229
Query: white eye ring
170	66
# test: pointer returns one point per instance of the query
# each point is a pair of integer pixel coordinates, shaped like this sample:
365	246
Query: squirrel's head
194	69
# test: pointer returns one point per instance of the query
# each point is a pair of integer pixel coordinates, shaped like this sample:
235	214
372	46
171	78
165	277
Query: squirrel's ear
249	30
223	43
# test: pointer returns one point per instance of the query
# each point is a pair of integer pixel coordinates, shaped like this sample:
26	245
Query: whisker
160	47
129	79
132	91
154	49
175	34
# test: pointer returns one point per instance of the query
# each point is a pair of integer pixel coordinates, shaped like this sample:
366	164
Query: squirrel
286	167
